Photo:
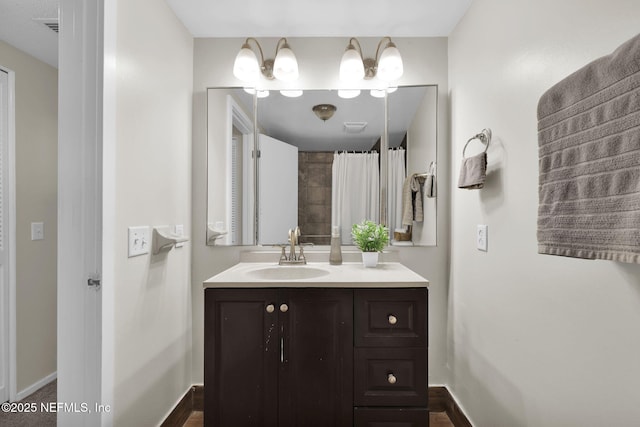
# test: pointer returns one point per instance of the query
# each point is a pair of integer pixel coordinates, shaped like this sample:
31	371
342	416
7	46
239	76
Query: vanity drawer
390	377
391	317
391	417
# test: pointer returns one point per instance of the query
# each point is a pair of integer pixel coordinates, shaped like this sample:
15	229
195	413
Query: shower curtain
355	191
396	176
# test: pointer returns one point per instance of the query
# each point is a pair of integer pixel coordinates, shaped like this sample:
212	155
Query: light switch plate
179	231
482	236
139	241
37	231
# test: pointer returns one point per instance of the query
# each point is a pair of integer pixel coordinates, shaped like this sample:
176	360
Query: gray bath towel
412	207
589	160
473	172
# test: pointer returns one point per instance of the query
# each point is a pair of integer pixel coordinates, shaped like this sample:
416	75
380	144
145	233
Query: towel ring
484	137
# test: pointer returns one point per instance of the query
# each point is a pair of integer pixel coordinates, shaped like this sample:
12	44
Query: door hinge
253	154
94	282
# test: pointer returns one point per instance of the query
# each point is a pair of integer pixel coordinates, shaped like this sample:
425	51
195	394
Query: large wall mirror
321	162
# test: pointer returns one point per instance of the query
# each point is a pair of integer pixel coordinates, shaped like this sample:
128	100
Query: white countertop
320	275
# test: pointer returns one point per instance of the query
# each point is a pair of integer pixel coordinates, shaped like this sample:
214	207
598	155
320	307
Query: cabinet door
316	368
241	358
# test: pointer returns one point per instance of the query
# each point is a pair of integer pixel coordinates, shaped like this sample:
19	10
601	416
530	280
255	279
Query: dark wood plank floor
436	419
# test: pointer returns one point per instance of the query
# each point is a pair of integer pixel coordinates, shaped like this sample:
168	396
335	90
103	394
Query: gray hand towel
412	209
473	172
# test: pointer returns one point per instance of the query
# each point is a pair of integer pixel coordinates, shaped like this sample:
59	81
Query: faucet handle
302	258
283	246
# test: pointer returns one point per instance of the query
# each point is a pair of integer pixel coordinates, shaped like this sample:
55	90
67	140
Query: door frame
240	120
10	227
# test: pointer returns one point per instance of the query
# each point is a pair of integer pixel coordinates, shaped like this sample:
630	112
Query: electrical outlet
482	236
139	241
179	231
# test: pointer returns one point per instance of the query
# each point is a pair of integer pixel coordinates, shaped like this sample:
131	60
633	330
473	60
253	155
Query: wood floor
436	419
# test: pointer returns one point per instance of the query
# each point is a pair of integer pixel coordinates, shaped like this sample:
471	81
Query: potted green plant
371	238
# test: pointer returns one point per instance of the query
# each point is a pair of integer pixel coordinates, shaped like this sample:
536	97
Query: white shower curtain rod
354	151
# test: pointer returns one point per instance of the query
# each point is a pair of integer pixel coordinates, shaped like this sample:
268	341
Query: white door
277	190
4	249
80	212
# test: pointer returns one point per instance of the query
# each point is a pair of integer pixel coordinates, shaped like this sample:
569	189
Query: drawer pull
284	308
391	378
270	308
393	319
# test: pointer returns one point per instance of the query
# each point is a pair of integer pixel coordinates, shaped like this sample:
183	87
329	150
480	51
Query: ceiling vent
354	127
50	23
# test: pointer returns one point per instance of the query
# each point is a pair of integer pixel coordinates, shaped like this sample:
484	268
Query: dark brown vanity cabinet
293	357
390	376
278	357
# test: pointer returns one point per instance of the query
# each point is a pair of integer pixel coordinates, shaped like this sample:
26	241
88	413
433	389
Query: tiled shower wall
314	196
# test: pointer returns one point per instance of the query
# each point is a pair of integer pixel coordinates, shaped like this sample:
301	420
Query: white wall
534	340
149	181
424	129
425	62
36	201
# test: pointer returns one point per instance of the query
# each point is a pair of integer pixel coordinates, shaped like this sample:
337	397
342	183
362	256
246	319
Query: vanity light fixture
348	93
324	111
380	93
248	69
291	93
258	93
387	66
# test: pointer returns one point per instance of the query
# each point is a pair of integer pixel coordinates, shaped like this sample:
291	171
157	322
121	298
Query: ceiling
292	120
313	18
21	25
258	18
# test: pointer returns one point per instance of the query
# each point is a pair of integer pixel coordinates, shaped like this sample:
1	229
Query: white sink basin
287	273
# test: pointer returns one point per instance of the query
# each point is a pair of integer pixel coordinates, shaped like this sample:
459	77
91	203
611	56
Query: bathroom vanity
316	345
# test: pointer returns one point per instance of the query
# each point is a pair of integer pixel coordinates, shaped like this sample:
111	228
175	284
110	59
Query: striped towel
589	160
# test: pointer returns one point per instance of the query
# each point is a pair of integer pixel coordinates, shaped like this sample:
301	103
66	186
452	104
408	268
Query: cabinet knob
393	319
284	308
270	308
391	378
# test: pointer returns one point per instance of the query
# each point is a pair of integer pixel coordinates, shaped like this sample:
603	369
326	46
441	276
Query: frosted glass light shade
291	93
257	92
390	64
285	66
351	65
246	67
348	93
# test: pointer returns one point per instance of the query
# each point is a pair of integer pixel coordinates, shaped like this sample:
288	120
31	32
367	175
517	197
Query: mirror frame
384	147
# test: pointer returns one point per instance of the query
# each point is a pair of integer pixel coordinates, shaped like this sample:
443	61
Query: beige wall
425	62
152	180
535	340
36	201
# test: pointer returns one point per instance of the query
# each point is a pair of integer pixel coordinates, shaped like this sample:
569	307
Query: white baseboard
36	386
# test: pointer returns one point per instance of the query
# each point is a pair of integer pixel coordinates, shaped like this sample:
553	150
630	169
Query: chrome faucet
293	241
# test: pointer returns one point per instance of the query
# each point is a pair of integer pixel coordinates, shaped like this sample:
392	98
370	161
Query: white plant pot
370	259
